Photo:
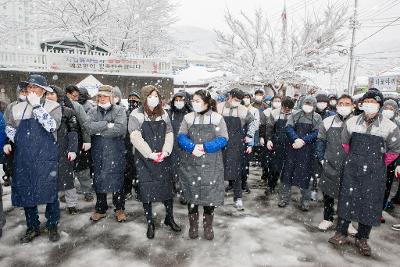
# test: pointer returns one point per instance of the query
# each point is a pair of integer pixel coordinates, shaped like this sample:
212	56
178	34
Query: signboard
385	83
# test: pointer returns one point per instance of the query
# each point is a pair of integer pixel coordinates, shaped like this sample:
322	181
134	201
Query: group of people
189	147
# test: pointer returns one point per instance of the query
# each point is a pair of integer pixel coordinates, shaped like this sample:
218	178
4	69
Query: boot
194	225
363	247
120	216
72	210
54	236
95	217
338	239
30	235
151	229
169	221
208	226
88	197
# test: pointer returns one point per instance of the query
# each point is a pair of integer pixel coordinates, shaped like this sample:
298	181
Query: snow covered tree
256	52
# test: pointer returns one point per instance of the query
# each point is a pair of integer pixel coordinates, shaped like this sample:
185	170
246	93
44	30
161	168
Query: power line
381	29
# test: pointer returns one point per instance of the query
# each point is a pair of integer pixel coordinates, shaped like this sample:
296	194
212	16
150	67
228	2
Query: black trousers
390	174
129	177
101	202
209	210
329	203
169	207
363	230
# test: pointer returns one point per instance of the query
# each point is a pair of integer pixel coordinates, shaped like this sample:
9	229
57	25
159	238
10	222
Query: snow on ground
262	235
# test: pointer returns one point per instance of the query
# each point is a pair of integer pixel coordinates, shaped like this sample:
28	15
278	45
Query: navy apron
177	153
364	180
298	166
281	145
233	153
154	179
35	170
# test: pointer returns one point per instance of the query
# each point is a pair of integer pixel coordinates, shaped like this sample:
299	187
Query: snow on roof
91	84
196	75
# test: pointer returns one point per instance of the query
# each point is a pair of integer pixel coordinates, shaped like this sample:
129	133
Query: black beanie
374	94
322	98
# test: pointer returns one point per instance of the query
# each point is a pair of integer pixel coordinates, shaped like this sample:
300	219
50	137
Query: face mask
246	101
133	104
235	104
153	101
344	111
276	104
179	104
198	107
322	105
308	108
116	100
387	113
370	108
22	98
105	106
258	98
333	102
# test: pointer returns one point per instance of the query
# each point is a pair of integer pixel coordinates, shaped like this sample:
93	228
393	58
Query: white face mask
308	108
344	111
179	104
22	98
116	99
322	105
370	108
198	107
258	98
235	104
246	101
153	101
333	102
105	106
387	113
277	104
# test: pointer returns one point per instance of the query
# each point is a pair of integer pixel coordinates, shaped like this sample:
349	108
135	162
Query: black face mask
133	104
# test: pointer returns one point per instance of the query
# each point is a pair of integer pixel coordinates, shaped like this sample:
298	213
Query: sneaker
396	227
325	225
120	216
88	197
351	230
54	236
95	217
314	195
283	204
30	235
239	204
338	239
72	210
363	247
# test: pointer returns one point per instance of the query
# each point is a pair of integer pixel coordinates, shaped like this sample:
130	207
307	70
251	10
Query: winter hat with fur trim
375	94
392	103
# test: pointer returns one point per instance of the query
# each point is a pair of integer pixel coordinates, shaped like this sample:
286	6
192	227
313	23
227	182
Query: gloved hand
397	171
262	141
33	99
86	146
7	149
198	151
270	145
71	156
249	150
110	125
153	156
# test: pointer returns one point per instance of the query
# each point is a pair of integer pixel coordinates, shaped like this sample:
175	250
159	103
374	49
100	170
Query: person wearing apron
67	136
236	117
32	127
153	139
331	157
180	106
302	131
277	141
107	126
371	143
3	138
202	135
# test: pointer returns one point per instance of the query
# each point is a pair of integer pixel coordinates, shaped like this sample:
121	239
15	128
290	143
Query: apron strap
23	113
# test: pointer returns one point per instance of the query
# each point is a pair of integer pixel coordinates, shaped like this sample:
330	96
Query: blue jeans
52	215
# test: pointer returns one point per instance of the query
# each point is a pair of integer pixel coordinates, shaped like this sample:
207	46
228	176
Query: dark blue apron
35	171
281	145
298	166
155	179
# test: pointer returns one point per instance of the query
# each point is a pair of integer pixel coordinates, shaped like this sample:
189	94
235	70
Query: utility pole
353	24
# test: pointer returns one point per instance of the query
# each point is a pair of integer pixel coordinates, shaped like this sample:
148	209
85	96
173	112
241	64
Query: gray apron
202	178
334	162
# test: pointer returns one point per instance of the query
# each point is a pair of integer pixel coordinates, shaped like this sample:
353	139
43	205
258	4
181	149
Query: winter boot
169	221
95	217
151	230
338	239
30	235
120	216
363	247
208	226
194	225
54	236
